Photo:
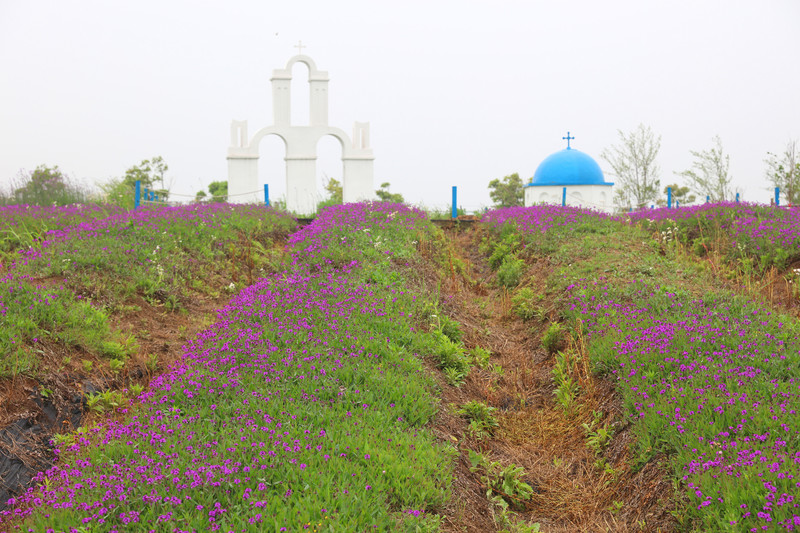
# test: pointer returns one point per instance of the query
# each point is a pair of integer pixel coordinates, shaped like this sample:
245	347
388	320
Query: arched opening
272	166
301	95
329	163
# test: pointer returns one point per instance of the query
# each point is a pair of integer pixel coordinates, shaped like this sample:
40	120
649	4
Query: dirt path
574	488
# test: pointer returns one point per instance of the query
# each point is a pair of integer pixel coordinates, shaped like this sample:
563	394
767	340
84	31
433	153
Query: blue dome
568	167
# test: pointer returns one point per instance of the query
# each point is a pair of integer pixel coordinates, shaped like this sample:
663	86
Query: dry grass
571	492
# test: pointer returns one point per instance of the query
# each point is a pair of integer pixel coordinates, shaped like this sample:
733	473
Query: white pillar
243	180
281	98
301	185
318	88
357	179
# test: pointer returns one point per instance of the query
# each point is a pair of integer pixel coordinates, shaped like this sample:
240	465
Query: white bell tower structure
301	147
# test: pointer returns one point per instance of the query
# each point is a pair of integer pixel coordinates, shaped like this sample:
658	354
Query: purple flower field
712	383
770	235
540	218
298	409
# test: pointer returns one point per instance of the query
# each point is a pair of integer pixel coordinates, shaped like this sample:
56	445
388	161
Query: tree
47	186
784	171
119	192
148	172
335	191
335	194
385	196
634	164
709	173
679	194
219	191
507	192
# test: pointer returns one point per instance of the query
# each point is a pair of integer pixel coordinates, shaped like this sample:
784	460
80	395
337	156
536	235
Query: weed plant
480	417
523	304
555	338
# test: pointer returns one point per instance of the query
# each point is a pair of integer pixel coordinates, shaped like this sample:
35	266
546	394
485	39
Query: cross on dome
568	138
300	47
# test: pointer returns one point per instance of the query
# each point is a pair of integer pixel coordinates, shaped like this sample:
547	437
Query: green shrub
450	328
510	272
112	350
522	303
508	245
479	356
450	354
555	338
482	422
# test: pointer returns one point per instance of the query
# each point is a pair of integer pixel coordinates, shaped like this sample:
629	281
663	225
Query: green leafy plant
450	328
499	480
597	439
508	244
116	365
479	357
455	376
522	303
566	387
105	401
510	271
152	362
59	440
482	422
555	338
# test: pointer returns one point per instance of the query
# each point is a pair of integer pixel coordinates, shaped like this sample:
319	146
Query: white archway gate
301	147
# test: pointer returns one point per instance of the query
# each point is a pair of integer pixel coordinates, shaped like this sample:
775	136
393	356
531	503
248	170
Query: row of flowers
712	382
300	408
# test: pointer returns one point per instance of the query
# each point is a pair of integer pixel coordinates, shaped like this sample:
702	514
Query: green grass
103	263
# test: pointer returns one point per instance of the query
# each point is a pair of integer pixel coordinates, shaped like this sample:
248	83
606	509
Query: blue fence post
137	196
146	197
737	197
454	211
564	197
777	196
669	197
266	194
708	199
677	204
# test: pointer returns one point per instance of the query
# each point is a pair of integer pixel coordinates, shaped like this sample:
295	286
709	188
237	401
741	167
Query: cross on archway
300	47
568	138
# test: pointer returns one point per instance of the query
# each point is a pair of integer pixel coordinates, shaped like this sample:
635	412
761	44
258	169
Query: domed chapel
570	177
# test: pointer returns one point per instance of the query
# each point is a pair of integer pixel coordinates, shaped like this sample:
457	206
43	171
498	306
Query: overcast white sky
456	92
